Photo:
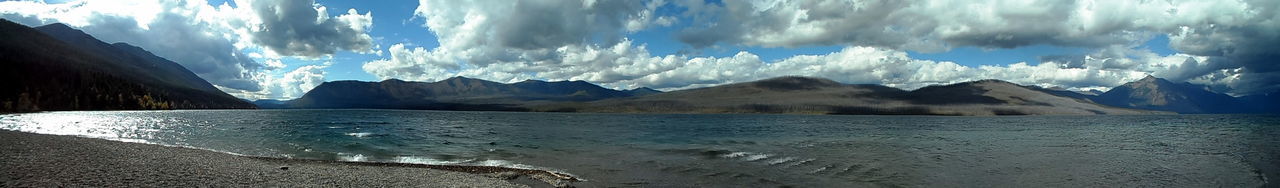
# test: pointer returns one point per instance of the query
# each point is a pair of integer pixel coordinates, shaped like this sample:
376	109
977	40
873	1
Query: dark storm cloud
1244	45
737	22
552	24
296	28
1067	61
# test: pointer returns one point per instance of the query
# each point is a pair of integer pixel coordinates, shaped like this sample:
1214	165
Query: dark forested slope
74	71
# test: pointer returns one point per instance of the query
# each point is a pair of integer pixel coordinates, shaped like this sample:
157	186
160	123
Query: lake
733	150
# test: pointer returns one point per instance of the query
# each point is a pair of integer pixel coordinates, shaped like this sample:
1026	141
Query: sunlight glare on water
138	129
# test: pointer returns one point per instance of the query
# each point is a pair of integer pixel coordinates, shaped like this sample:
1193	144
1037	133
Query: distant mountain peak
393	80
641	91
795	83
57	26
1150	82
977	84
1155	93
460	78
798	79
992	81
1152	79
65	31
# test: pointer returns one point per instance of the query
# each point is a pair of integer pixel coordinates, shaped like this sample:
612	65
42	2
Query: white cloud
935	25
647	17
290	85
625	65
410	64
297	82
1224	35
476	40
273	64
873	65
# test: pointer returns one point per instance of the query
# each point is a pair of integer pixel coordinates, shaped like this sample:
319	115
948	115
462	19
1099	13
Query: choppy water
734	150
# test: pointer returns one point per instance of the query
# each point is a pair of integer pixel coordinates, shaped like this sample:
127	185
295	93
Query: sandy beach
37	160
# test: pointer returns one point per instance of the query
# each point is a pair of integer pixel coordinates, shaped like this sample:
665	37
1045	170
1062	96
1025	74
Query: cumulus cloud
486	32
509	40
649	18
1231	34
302	28
290	85
1219	42
627	65
929	25
211	41
410	64
875	65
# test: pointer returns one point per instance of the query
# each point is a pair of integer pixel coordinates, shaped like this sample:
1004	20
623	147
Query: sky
279	49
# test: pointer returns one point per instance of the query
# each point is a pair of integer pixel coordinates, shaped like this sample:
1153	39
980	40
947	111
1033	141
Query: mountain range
56	67
790	94
776	95
808	95
457	93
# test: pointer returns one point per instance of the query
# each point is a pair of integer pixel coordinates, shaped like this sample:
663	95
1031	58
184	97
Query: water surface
733	150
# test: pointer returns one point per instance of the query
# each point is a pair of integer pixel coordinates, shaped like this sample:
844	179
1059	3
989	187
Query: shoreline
40	160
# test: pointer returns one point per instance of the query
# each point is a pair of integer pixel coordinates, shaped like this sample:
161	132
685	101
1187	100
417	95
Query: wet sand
37	160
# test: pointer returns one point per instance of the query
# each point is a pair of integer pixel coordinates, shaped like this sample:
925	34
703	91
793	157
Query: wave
735	154
352	157
781	160
471	162
756	157
360	134
477	162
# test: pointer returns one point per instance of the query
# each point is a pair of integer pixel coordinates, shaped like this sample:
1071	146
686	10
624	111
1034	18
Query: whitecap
735	154
818	170
427	160
756	157
359	135
349	157
505	163
474	162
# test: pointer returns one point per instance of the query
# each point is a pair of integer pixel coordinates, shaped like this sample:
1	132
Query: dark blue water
733	150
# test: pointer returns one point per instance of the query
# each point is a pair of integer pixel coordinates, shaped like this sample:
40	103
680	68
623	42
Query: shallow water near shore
733	150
